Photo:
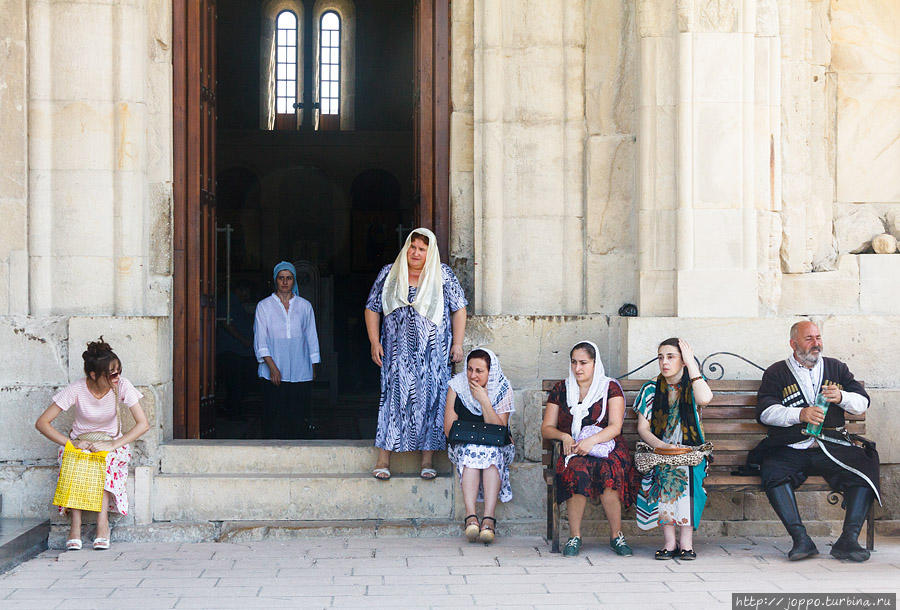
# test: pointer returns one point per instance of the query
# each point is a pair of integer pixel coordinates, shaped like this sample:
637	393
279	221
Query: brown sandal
487	533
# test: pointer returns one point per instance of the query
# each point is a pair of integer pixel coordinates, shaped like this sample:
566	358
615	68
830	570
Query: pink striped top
92	414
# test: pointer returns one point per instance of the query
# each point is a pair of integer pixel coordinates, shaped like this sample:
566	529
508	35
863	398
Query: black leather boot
784	502
857	501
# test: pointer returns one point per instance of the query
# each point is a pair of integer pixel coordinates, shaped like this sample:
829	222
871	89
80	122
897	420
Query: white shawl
597	391
429	300
498	389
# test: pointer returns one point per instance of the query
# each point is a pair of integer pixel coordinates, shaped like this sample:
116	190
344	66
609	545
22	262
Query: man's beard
811	357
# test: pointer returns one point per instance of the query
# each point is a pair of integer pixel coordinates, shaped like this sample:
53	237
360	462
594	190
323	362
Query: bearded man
787	456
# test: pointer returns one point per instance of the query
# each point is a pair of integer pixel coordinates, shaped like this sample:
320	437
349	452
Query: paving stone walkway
429	573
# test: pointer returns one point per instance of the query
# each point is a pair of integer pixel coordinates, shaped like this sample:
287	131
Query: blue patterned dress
415	369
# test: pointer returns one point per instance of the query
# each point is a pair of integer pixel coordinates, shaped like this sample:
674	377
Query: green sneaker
621	547
573	545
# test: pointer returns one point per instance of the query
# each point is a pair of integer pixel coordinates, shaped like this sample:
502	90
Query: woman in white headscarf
586	413
481	394
422	330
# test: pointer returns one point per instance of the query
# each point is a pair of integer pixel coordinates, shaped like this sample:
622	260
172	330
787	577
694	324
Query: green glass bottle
816	429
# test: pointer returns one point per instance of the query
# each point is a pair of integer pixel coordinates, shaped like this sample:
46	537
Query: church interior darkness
331	195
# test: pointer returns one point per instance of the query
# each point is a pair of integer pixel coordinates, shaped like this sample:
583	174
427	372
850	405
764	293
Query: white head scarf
429	301
597	391
498	389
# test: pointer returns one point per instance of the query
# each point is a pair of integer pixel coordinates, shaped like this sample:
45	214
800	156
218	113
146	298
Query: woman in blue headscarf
287	347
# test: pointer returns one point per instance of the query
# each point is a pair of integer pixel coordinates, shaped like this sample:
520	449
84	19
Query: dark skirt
590	476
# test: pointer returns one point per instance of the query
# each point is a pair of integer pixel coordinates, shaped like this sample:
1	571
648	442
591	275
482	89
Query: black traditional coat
780	387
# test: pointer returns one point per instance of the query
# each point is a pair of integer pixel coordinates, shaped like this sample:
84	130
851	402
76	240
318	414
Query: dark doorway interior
334	202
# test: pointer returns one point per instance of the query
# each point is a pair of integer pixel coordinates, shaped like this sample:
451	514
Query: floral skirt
591	476
116	477
482	457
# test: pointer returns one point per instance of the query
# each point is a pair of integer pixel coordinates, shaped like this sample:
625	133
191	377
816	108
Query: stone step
21	539
247	531
320	496
282	457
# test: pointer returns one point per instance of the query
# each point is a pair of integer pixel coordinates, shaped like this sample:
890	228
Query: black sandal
687	555
472	529
664	553
486	535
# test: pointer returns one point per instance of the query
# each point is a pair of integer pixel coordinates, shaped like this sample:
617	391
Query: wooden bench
729	421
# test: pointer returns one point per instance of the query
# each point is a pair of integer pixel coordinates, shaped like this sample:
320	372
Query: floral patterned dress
415	369
587	475
482	457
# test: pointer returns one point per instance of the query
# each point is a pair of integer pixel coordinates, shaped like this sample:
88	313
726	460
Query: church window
286	63
330	63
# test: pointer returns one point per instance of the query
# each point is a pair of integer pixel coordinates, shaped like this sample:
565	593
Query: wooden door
194	214
432	118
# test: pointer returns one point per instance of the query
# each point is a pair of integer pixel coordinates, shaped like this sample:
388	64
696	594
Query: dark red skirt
590	476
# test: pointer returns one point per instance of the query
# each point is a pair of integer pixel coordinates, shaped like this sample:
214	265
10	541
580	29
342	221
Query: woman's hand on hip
456	353
377	353
274	374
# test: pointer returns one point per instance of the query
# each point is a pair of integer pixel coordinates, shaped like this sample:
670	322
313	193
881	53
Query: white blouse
287	336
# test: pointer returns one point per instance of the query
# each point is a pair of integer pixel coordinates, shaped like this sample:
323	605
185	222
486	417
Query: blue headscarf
281	267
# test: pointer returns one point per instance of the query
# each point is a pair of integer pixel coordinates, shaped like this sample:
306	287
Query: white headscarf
597	391
498	389
429	300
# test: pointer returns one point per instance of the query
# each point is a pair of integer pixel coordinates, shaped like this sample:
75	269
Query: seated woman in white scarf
588	401
481	394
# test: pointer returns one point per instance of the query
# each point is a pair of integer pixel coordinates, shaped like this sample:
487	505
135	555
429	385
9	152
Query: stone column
13	159
704	71
529	156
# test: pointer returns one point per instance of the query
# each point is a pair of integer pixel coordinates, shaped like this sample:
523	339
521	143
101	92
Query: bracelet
693	379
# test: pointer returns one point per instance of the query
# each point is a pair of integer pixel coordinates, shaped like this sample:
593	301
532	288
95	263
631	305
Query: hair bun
97	348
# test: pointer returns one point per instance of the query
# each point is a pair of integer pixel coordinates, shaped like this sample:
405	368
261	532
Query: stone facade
723	164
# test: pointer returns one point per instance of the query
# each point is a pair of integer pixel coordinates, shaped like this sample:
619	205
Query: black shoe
687	555
857	501
784	502
663	554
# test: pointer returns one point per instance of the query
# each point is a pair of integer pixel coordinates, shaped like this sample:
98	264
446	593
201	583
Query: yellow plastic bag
82	476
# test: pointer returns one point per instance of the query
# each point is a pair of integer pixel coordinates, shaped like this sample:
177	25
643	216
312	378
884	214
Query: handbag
479	433
646	457
82	477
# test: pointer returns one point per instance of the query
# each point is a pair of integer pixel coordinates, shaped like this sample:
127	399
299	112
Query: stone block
19	409
699	294
560	333
462	139
860	341
27	490
75	135
718	142
663	173
656	293
804	293
718	239
253	497
137	341
526	267
13	231
879	290
81	39
528	489
81	284
884	244
534	86
865	36
609	67
74	232
39	346
761	340
532	23
723	506
855	226
882	425
462	61
717	67
868	152
612	280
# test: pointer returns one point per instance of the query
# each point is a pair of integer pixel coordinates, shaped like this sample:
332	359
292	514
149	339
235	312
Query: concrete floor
430	573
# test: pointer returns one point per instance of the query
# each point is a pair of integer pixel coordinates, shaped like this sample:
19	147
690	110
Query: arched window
285	70
329	64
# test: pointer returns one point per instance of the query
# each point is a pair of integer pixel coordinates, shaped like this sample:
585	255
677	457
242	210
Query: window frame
333	82
294	77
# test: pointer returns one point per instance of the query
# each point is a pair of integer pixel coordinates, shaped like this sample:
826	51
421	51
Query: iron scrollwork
715	370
